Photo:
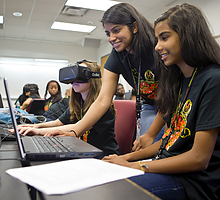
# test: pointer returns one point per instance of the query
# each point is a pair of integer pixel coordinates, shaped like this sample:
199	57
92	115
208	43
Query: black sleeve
106	121
209	109
102	134
65	117
113	62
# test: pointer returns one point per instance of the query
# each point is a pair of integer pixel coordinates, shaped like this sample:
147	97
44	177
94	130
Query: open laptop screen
14	122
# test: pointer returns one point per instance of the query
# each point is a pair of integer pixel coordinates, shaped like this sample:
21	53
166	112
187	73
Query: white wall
19	75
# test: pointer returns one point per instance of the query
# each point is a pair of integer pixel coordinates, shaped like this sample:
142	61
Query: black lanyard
178	110
138	98
138	89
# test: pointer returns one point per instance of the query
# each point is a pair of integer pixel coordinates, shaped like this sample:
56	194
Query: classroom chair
125	124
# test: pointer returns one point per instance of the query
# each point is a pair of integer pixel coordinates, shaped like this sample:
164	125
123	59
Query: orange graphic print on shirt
85	136
149	85
47	106
179	120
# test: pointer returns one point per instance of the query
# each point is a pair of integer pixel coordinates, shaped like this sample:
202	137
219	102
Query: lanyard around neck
166	139
138	88
81	111
187	91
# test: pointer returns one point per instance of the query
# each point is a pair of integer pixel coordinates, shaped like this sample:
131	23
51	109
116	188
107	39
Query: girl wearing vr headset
132	38
101	134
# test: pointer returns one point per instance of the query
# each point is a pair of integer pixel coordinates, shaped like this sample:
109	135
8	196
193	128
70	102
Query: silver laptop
50	148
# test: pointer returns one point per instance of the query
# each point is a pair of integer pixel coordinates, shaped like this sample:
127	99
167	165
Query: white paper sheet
71	175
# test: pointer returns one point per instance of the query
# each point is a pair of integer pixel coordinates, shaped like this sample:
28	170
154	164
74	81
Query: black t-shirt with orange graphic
101	135
124	63
200	112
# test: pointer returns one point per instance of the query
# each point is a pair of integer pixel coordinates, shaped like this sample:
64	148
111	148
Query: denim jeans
166	187
148	113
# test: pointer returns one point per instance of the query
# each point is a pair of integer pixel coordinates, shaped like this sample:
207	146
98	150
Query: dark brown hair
198	47
75	102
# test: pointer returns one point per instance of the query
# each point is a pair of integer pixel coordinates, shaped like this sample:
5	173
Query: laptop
52	148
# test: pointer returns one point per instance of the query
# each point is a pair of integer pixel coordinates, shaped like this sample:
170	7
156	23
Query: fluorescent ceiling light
48	60
33	62
1	20
72	27
102	5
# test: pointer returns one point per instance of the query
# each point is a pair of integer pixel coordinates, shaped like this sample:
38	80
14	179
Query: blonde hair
75	102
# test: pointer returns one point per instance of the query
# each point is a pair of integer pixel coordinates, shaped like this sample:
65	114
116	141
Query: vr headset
30	87
77	73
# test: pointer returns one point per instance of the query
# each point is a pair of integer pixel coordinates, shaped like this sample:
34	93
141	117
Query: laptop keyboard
50	144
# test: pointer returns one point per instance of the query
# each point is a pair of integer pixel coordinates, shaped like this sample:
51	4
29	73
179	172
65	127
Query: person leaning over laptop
83	94
33	93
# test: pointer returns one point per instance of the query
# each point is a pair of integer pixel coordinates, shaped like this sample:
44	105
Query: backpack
20	115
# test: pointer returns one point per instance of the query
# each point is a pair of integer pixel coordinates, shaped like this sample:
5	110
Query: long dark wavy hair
23	97
198	47
125	14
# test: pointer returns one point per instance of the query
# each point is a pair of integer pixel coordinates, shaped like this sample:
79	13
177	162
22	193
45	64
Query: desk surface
116	190
11	188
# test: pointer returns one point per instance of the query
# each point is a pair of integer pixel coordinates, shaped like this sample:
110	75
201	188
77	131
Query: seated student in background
57	109
133	94
33	93
187	165
21	99
82	96
54	90
120	92
67	92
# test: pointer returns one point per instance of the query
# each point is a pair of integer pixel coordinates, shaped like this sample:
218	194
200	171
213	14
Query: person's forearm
95	112
182	163
101	104
196	159
148	152
55	123
148	138
24	106
156	126
55	130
